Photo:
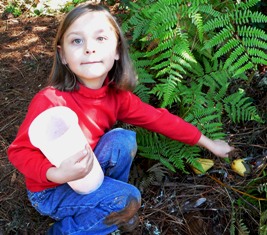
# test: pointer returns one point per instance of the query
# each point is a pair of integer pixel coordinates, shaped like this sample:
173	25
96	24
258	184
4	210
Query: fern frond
224	34
257	52
162	47
169	36
226	48
215	97
182	49
144	77
244	68
167	91
199	2
145	182
258	17
239	108
208	9
251	32
140	26
156	173
186	154
191	98
139	20
142	92
247	16
208	121
262	188
198	22
257	60
242	228
242	60
263	223
207	66
169	152
163	16
247	4
218	22
236	39
217	80
254	42
242	17
236	53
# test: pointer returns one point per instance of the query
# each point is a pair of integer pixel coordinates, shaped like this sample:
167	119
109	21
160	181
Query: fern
239	107
169	97
254	42
186	55
240	49
144	77
198	22
251	32
207	120
209	10
233	219
262	188
248	4
237	225
242	228
139	20
263	223
225	34
168	152
232	43
219	22
190	53
156	173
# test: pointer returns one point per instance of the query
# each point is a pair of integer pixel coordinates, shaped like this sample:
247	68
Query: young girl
92	75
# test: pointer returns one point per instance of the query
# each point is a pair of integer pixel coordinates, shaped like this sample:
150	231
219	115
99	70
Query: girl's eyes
77	41
101	39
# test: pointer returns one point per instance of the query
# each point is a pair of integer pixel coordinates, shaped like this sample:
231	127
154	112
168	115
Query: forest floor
178	204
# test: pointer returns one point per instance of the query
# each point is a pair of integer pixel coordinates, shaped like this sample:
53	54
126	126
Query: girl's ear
62	57
117	55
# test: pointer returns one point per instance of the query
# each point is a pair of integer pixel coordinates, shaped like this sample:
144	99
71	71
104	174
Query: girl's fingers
90	158
80	156
87	159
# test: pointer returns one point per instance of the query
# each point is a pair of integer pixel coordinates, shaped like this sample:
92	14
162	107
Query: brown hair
122	73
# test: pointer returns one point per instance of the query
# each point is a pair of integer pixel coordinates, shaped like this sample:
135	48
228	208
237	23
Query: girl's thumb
81	155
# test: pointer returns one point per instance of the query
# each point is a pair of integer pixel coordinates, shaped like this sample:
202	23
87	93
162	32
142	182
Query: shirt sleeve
28	159
160	120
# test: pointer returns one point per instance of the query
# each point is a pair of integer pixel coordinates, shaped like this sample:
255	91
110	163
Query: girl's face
89	48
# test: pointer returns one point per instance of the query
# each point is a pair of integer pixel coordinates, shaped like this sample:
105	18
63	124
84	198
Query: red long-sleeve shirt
97	110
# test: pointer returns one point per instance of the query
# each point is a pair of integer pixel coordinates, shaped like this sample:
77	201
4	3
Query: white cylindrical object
57	134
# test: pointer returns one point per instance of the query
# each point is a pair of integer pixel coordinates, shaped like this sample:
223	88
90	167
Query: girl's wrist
53	175
205	142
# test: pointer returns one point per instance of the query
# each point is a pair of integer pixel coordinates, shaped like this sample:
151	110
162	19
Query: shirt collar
94	93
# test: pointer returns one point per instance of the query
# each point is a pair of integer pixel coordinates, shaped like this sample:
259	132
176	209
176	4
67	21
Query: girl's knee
115	152
127	139
134	193
123	139
127	196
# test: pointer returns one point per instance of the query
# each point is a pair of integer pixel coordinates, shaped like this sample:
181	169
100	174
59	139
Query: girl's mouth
91	62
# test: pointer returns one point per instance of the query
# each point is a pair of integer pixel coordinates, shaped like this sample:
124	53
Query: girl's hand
218	147
221	148
73	168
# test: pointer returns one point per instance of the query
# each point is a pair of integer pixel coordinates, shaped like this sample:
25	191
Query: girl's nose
90	47
88	51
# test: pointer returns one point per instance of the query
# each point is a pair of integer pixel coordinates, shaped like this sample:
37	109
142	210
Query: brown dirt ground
169	207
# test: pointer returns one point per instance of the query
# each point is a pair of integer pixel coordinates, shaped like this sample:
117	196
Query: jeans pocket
114	158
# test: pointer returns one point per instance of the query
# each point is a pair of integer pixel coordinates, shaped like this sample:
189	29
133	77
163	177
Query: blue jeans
85	214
